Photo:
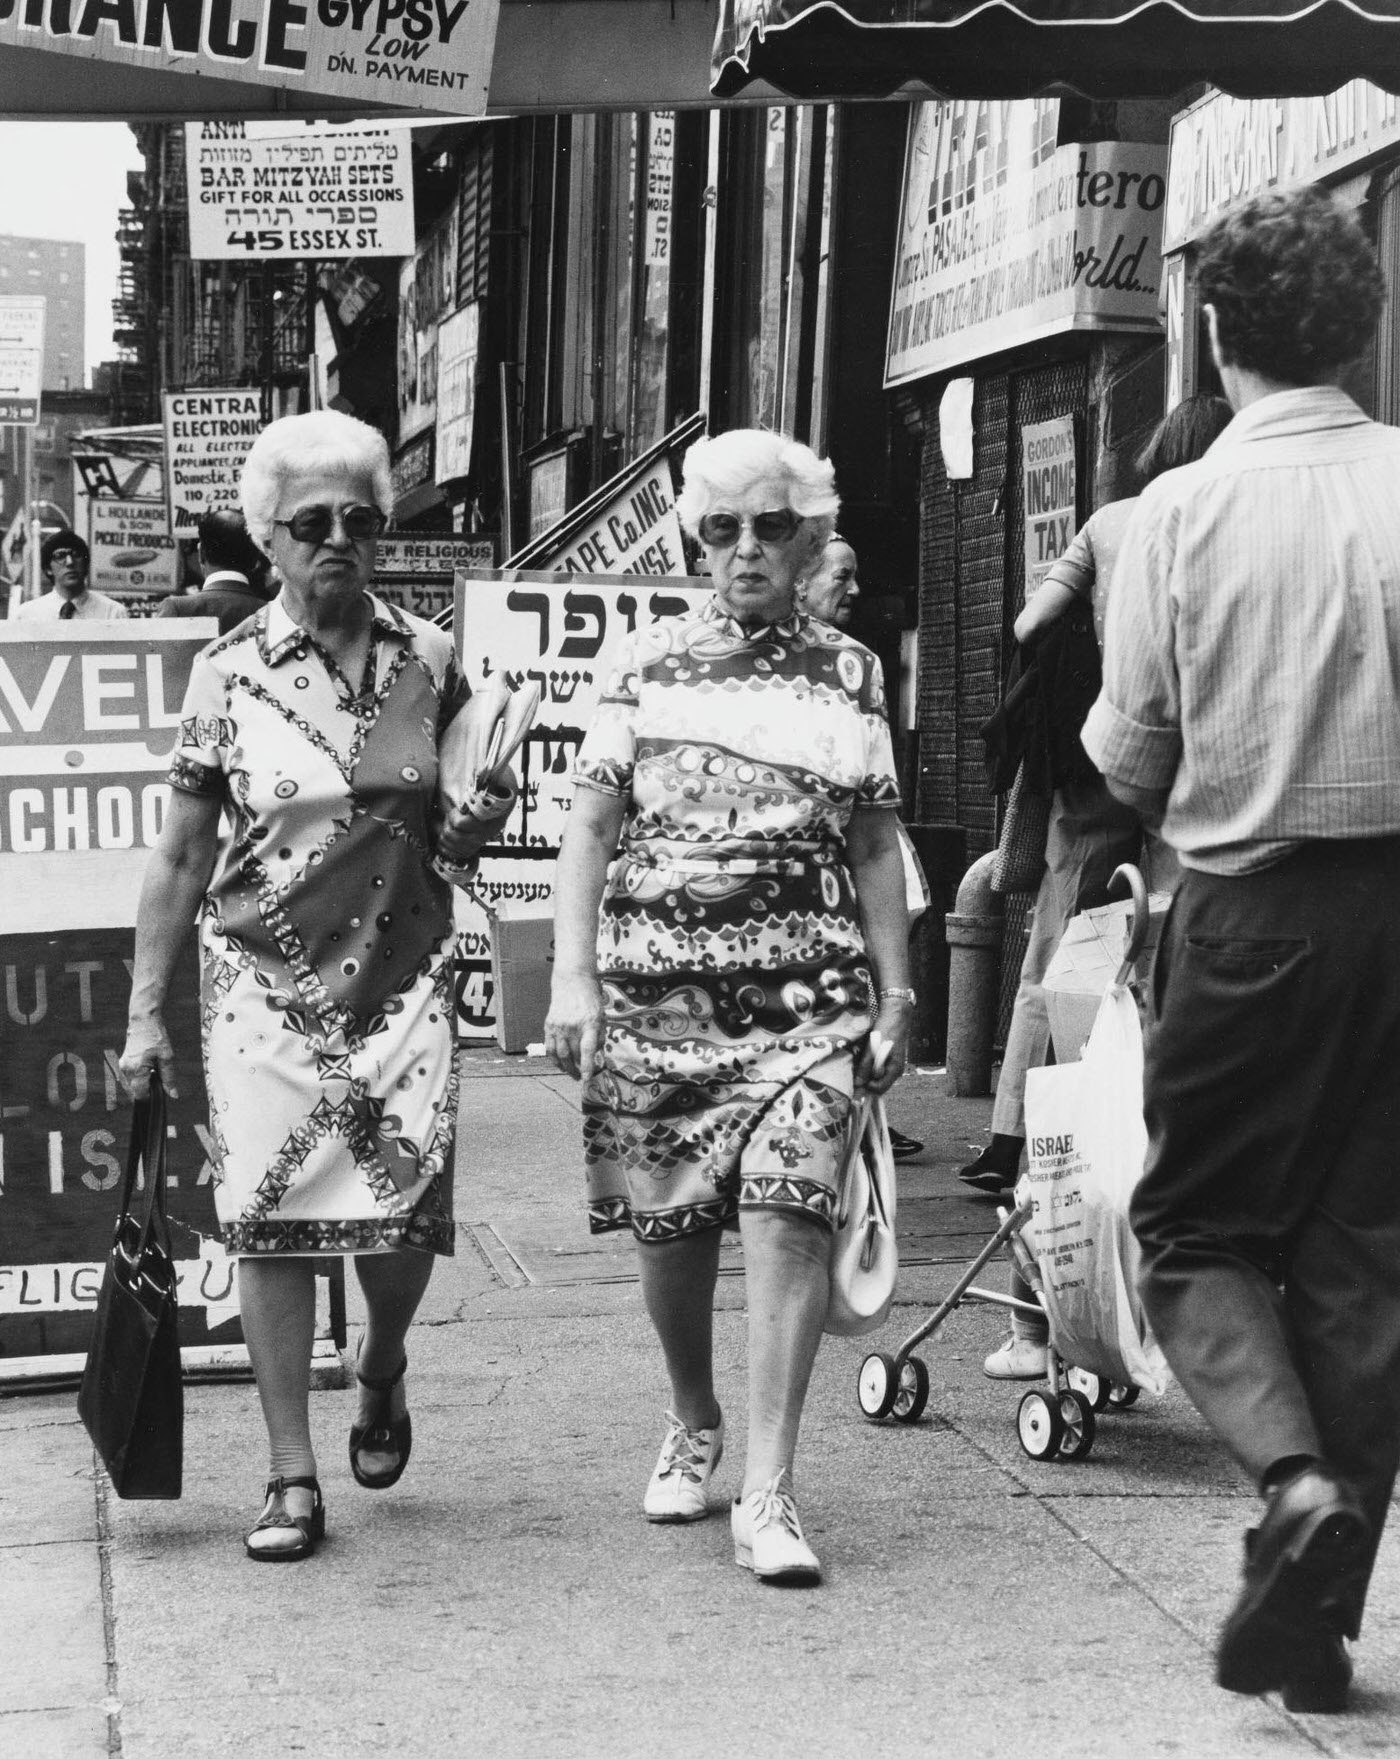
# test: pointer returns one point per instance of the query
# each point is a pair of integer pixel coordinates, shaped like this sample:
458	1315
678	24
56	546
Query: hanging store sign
661	172
424	55
457	348
207	437
1006	238
417	571
564	634
1048	481
256	191
132	552
1225	150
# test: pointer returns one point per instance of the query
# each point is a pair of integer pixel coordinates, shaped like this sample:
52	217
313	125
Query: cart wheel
1123	1398
1078	1416
877	1386
912	1393
1039	1426
1094	1387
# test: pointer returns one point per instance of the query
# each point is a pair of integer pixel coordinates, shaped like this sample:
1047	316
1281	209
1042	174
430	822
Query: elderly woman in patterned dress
312	733
725	984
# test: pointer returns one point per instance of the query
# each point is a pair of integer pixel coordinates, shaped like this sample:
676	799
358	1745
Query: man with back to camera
234	570
64	559
1251	701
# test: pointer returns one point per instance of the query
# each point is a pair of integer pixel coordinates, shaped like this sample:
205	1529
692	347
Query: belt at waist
688	864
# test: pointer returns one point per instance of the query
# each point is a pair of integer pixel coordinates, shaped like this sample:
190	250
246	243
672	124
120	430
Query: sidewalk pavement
507	1599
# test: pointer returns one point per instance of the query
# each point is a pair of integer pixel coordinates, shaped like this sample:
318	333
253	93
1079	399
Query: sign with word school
419	54
1005	237
89	713
208	434
1227	150
256	190
132	552
564	633
21	359
1048	482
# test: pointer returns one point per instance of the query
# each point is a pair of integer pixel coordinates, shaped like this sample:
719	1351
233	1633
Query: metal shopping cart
1058	1422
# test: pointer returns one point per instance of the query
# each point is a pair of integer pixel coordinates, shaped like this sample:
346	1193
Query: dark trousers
1269	1210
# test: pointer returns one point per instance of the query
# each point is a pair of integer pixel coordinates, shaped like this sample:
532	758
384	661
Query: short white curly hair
313	444
718	469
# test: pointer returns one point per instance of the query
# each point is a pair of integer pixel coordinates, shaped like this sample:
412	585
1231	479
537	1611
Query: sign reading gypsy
563	631
1006	237
256	189
418	54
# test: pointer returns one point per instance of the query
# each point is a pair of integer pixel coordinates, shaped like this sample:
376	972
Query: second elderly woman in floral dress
727	982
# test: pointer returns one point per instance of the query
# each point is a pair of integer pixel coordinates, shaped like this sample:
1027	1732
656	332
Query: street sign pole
31	543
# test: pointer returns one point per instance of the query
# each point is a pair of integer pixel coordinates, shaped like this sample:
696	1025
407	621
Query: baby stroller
1059	1423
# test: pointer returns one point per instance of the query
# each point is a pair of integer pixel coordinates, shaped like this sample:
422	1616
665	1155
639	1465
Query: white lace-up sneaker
1017	1359
683	1469
768	1535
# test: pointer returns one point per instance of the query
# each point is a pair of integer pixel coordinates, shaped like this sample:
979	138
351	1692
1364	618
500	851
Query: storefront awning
1017	48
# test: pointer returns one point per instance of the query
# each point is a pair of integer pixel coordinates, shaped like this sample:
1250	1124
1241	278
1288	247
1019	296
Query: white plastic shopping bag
1087	1143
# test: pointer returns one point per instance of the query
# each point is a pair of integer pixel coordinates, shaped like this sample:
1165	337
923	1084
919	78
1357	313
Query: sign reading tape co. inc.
89	713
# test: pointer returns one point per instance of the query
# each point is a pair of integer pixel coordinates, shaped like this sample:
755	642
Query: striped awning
1017	48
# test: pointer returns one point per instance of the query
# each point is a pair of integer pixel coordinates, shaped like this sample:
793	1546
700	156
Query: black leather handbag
132	1400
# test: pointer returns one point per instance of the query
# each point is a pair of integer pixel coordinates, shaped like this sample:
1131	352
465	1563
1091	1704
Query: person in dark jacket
235	573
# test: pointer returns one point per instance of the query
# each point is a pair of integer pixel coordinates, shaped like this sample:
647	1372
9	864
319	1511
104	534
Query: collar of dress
715	611
279	636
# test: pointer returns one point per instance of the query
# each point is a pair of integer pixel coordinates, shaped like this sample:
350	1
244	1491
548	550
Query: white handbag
864	1256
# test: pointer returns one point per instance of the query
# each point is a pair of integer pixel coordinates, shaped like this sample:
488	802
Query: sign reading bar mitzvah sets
1006	237
256	189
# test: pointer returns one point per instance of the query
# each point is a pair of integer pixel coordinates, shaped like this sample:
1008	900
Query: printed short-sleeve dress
326	937
735	975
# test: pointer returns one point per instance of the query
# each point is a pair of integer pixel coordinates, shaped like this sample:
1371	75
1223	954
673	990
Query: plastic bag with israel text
1087	1143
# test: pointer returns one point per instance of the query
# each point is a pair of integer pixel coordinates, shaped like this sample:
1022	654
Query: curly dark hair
1294	283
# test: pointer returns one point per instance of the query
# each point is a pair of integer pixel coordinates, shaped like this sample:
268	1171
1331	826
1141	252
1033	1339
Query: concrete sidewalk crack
109	1611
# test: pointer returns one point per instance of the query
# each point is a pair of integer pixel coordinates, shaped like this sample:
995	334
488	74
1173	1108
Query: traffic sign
21	358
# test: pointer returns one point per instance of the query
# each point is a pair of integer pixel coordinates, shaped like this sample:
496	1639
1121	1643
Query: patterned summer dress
326	938
734	972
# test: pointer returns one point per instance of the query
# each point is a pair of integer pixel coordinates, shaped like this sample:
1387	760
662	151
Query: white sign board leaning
207	437
256	190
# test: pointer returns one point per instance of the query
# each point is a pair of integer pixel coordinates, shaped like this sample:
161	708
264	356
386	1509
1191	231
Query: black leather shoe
388	1435
903	1147
1320	1680
1300	1570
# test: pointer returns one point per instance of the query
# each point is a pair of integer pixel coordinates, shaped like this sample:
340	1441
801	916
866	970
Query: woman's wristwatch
893	993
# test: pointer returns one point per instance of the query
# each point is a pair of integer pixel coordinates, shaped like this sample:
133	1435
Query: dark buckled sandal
312	1527
393	1435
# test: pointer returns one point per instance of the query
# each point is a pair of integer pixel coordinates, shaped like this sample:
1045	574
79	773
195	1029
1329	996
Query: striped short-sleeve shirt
1252	649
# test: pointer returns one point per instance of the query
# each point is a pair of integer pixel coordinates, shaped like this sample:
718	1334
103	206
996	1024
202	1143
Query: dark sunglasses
722	529
313	525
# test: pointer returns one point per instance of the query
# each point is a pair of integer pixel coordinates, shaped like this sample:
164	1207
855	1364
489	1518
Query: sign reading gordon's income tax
564	631
207	436
1048	479
420	54
1005	237
255	189
88	716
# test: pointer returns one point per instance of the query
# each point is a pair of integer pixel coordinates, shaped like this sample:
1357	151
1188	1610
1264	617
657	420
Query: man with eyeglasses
64	560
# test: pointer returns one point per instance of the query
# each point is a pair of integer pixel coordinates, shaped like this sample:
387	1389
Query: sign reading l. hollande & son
418	54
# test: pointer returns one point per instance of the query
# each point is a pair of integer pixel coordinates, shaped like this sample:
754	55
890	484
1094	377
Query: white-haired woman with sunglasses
741	969
303	819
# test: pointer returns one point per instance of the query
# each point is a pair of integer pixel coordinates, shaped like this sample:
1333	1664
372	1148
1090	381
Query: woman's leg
787	1265
394	1284
678	1286
277	1301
